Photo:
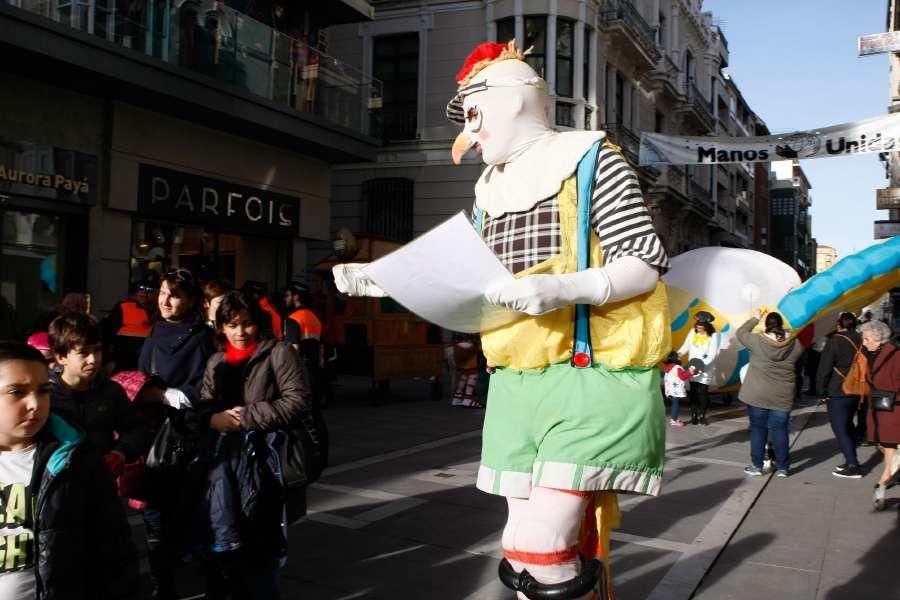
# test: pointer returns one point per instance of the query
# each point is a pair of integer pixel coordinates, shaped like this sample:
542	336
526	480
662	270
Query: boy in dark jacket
84	397
64	534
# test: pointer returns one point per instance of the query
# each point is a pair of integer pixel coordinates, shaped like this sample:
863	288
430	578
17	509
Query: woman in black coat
176	352
834	364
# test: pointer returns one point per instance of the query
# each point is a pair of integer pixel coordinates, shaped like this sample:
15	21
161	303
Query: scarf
235	356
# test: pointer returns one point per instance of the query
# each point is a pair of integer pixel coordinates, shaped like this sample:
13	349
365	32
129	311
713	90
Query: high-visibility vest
135	321
310	325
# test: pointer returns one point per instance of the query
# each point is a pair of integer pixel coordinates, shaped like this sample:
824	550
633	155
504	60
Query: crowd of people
199	403
855	369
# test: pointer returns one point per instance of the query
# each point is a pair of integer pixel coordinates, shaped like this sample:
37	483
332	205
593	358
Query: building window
662	31
565	116
689	66
395	61
565	48
389	207
586	66
620	99
536	39
659	122
506	30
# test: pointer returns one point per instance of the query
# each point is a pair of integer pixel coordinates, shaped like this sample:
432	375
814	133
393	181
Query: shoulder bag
882	400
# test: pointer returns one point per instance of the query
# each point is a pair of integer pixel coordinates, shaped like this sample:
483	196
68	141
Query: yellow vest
631	333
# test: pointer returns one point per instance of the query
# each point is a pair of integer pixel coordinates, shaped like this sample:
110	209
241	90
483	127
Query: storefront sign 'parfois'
188	198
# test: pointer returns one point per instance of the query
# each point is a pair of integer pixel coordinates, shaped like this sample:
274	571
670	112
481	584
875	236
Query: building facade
826	256
790	238
171	134
623	66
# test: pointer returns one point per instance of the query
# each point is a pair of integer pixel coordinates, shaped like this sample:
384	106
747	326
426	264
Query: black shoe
703	420
694	418
848	472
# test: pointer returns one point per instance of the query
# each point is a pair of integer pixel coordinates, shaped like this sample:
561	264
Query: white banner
881	134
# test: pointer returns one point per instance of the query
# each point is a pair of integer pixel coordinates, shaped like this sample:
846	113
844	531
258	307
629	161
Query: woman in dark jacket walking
176	353
834	364
884	375
256	387
768	388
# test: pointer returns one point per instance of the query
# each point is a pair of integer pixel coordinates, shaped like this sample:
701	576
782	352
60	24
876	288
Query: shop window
506	30
395	61
536	39
158	247
31	262
389	207
565	52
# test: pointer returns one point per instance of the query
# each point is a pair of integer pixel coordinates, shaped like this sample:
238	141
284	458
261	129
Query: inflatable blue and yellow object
730	282
851	284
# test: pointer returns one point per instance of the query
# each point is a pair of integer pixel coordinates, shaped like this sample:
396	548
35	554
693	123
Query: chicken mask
502	103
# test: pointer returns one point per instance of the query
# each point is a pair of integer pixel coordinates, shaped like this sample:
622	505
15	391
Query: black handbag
173	448
882	400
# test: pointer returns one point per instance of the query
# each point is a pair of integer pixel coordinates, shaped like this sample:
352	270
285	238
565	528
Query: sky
796	63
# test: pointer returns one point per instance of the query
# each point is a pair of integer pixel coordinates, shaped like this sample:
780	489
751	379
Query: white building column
579	91
490	24
520	25
594	66
550	59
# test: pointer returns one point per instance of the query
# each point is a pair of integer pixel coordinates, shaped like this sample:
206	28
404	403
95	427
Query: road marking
378	458
394	553
360	492
658	543
703	460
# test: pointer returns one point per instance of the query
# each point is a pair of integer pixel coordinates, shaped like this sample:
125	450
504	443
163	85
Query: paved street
397	515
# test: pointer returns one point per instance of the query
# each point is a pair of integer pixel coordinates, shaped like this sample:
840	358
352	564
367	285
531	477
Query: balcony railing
210	38
701	196
700	104
624	12
625	138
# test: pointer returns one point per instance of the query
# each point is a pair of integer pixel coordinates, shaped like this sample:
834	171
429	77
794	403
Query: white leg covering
541	532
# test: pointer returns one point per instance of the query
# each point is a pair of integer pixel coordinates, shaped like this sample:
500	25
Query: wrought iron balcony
701	197
625	138
699	105
212	39
622	15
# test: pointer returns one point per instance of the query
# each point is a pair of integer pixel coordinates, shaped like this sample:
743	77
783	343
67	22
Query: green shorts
574	429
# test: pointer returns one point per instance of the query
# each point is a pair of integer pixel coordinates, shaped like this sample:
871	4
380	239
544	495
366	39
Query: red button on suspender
581	360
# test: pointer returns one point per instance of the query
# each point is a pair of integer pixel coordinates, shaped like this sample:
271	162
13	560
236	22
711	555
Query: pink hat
39	341
132	382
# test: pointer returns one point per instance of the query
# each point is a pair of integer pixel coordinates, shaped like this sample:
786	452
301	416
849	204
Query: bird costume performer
574	411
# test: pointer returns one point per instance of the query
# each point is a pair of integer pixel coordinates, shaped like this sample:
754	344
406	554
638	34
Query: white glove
350	280
176	399
625	278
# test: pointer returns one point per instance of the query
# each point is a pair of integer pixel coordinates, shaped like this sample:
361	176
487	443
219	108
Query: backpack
855	380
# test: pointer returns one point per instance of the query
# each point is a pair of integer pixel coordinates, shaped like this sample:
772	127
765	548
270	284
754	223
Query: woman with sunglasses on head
176	352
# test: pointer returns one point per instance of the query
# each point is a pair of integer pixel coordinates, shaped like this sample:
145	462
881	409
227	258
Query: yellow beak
461	145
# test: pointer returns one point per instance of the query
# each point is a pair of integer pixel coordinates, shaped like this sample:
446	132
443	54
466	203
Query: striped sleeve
619	215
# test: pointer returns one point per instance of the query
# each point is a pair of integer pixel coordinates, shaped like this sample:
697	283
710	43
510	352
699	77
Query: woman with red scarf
254	387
